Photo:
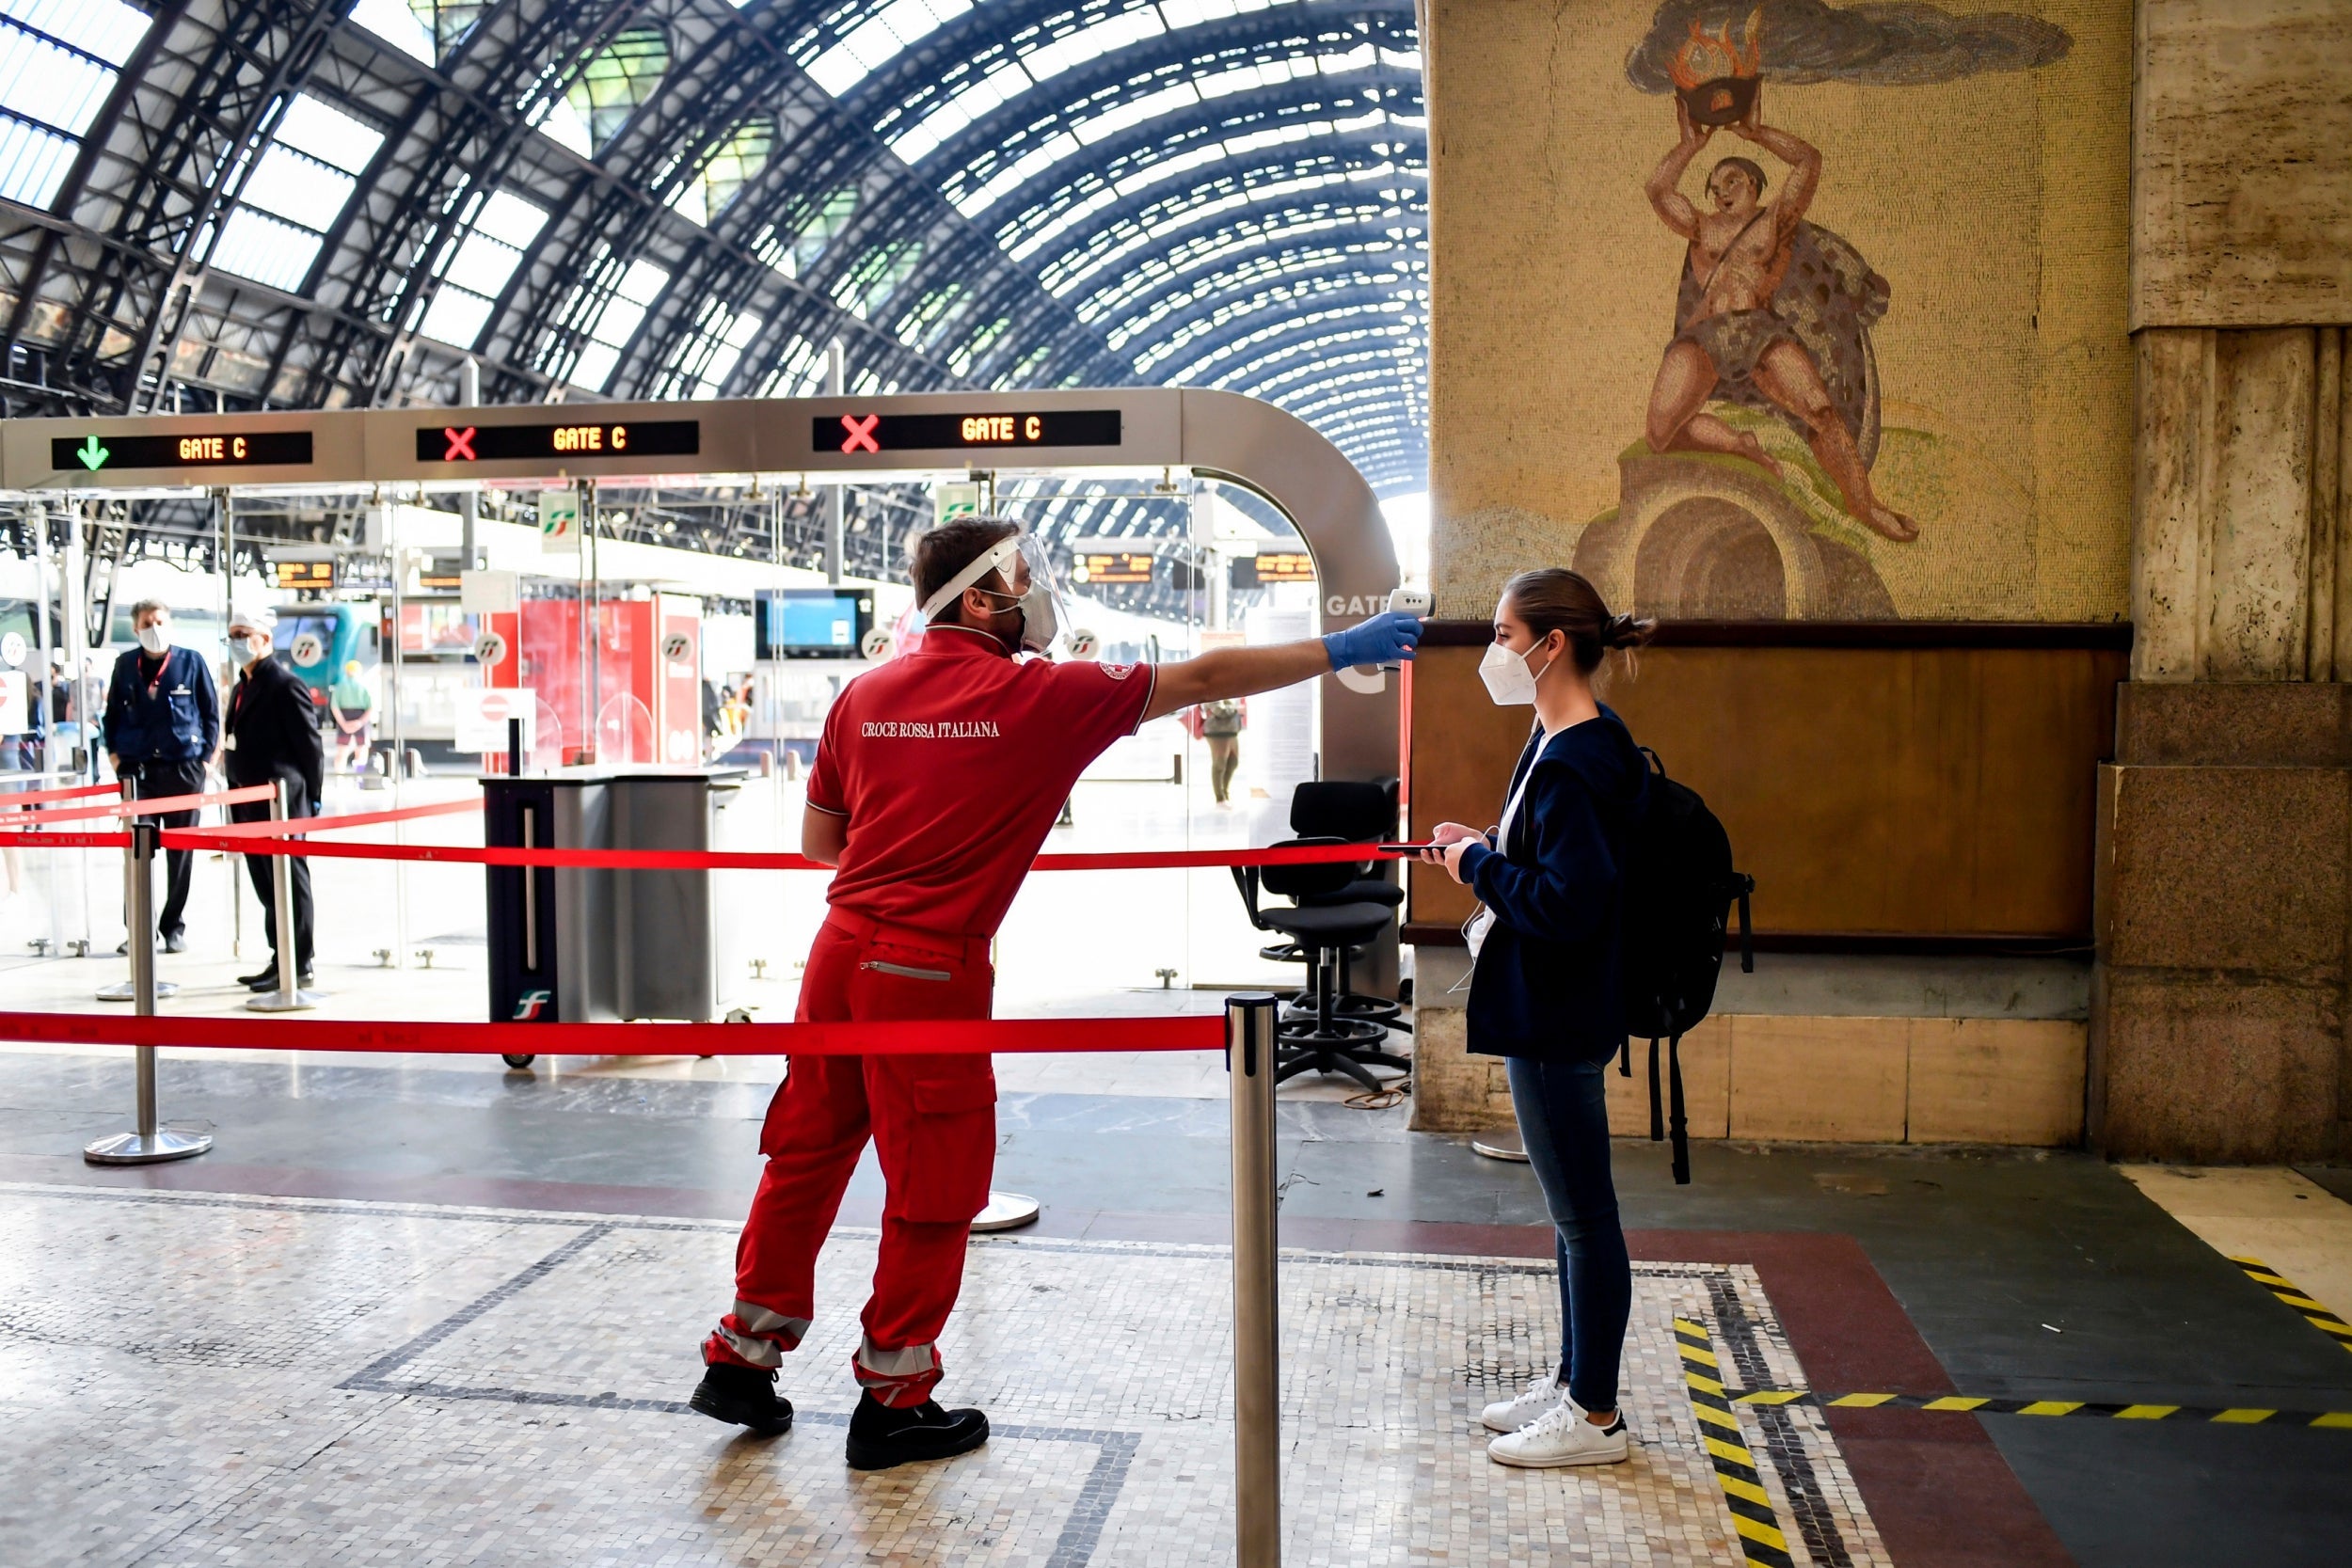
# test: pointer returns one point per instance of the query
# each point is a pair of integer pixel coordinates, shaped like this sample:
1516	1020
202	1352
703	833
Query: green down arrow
93	455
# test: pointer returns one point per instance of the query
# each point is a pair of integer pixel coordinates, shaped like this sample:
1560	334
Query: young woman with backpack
1545	987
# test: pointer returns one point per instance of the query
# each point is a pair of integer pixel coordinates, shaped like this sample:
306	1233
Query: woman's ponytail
1552	598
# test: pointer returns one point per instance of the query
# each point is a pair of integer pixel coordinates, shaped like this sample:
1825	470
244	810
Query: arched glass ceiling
1229	191
334	205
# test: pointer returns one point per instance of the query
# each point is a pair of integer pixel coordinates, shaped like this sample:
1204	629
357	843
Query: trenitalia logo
527	1009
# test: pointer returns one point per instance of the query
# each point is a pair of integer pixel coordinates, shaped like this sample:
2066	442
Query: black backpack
1680	889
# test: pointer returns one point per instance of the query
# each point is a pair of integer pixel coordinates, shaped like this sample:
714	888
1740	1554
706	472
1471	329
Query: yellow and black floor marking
2311	1312
1972	1404
1761	1542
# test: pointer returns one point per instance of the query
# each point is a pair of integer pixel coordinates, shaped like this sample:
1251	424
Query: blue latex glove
1386	639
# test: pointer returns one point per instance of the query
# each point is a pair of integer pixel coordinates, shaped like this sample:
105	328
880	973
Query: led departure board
1112	566
849	434
315	575
1256	571
492	443
195	450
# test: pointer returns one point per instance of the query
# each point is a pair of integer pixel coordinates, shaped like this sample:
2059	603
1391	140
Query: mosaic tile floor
194	1379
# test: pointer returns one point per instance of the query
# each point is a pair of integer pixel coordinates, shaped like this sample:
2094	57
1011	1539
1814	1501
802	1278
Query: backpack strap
1656	1127
1681	1127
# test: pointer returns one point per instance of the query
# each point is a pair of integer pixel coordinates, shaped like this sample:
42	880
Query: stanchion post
150	1142
1249	1037
290	997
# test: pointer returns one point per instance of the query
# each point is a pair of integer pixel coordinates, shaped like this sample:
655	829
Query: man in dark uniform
162	726
272	737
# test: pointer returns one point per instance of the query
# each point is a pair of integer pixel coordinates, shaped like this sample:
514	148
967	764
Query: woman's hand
1451	846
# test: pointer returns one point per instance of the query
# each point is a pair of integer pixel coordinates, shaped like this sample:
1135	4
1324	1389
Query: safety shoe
744	1397
881	1436
1559	1436
1512	1414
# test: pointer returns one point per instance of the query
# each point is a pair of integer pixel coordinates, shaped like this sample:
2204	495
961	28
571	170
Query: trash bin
589	944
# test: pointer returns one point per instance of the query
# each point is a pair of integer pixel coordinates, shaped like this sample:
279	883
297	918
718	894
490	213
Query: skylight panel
396	24
1007	81
618	323
105	29
1088	43
32	161
296	187
328	134
879	40
510	220
1036	159
265	250
1135	110
456	316
56	88
739	332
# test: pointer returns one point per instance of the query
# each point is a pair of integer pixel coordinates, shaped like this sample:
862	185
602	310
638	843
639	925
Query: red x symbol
460	445
861	436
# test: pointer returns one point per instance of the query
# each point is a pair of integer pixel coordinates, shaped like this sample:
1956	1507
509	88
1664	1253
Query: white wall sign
483	713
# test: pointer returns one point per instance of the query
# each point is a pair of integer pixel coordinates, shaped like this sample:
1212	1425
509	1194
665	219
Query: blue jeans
1564	1119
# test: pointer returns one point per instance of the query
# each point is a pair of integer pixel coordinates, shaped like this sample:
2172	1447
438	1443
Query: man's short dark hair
949	548
1748	166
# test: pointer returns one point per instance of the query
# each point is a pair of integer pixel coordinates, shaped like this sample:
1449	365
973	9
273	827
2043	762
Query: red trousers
933	1123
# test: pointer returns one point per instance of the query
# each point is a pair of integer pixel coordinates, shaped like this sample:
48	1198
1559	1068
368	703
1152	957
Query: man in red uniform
936	781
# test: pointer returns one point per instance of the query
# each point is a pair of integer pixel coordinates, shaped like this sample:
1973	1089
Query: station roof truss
242	205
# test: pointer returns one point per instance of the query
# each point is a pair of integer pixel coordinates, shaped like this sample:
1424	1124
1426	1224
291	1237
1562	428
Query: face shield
1040	605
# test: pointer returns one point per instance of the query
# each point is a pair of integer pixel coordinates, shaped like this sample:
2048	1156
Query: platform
476	1384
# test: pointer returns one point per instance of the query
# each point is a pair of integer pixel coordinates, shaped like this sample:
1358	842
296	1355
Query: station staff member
937	779
162	727
273	734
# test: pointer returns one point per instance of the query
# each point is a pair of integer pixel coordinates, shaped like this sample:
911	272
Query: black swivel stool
1355	812
1316	1038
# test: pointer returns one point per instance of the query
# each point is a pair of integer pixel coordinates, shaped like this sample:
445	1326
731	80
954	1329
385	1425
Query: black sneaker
744	1397
881	1436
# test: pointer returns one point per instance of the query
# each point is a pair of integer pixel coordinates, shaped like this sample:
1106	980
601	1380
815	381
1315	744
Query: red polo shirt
951	764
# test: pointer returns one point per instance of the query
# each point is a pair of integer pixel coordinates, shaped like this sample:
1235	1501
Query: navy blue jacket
1546	984
180	722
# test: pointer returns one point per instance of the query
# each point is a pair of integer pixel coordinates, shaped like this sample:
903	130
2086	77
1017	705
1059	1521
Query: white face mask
1509	681
245	650
154	638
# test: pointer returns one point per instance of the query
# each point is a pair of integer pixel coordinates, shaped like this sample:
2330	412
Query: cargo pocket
952	1152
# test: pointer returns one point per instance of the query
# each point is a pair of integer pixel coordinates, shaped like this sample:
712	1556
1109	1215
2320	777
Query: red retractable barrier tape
688	859
34	796
159	804
302	825
997	1036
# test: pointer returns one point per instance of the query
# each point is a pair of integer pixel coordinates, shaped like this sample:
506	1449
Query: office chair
1315	1037
1355	812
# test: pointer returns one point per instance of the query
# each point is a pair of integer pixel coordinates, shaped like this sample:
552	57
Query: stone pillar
2223	911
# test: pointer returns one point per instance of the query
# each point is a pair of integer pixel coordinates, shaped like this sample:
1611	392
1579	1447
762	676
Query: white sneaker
1562	1435
1511	1414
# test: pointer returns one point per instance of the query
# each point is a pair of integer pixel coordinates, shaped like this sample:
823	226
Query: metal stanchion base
279	1002
121	990
1007	1212
1501	1146
129	1148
